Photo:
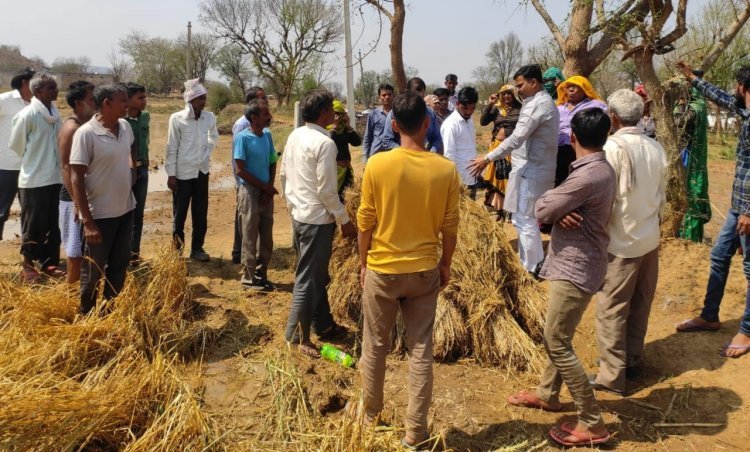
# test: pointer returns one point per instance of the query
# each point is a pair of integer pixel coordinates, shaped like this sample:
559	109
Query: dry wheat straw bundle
107	381
492	310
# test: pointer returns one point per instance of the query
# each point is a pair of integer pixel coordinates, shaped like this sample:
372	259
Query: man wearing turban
191	139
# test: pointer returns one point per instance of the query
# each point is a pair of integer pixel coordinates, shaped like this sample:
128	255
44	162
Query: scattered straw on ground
107	381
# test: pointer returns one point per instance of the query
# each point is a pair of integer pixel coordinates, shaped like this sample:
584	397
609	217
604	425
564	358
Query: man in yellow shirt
409	200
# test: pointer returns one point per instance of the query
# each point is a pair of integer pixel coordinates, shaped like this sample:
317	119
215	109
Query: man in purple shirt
575	267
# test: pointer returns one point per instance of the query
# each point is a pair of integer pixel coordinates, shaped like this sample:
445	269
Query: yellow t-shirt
409	198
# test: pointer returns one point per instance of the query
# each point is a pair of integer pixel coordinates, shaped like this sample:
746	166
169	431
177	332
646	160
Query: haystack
492	310
109	381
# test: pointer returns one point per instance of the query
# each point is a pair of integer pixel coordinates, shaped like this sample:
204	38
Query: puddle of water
157	182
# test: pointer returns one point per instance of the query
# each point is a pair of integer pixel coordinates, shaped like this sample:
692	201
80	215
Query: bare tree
203	48
504	57
234	64
397	17
545	53
121	69
155	60
71	64
281	36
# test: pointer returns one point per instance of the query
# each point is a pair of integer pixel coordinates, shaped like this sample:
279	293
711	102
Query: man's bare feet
739	345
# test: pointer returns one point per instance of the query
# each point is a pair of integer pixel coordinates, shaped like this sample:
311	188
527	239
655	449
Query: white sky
440	36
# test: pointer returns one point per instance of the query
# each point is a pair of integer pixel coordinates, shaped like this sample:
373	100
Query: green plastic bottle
335	355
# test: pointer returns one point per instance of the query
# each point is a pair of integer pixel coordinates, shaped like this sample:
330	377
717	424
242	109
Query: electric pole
188	72
349	70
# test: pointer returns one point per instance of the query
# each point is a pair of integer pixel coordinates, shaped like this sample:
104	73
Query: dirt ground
469	408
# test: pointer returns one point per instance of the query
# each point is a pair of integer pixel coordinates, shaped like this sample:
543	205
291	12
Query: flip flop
744	348
582	439
690	325
53	272
527	400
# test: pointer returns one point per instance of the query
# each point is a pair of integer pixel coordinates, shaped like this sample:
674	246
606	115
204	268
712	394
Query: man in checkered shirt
736	230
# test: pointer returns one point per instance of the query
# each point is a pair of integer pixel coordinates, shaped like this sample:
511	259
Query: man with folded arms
400	265
575	267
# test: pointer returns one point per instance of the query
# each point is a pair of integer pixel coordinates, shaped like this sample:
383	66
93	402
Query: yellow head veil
504	89
579	81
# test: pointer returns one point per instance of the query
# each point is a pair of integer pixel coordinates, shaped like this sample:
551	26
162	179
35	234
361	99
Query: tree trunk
576	50
719	126
667	134
397	47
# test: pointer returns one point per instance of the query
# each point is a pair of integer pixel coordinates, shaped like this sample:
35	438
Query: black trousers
565	156
40	229
192	193
8	191
140	191
109	258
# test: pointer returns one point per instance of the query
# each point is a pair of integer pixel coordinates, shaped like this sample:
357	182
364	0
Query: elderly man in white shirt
309	185
533	149
190	141
34	139
624	304
459	137
11	103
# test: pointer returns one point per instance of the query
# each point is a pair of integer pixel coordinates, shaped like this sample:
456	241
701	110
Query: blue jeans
721	258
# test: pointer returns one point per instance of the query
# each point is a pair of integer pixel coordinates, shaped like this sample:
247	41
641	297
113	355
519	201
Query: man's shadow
636	423
678	353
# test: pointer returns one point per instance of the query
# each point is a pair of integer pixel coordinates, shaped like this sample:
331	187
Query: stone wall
64	79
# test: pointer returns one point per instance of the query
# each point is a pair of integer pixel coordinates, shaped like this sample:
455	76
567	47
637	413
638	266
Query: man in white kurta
533	150
459	136
11	103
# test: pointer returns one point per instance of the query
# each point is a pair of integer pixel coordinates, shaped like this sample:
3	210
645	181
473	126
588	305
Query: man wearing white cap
191	139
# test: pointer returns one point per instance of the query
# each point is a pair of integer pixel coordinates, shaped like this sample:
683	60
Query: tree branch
378	5
719	46
556	33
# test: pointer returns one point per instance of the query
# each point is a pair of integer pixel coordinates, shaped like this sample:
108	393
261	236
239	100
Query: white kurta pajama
533	150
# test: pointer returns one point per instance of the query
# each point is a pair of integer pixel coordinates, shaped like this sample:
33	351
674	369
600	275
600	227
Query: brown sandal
528	400
53	272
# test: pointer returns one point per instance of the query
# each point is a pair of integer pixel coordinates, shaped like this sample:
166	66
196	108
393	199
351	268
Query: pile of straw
106	381
492	310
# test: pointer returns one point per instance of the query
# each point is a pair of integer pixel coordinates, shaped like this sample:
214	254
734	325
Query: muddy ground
469	408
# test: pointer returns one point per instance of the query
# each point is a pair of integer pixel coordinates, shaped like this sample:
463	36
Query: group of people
82	182
586	167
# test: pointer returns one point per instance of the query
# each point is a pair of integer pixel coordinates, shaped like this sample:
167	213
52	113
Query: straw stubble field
184	359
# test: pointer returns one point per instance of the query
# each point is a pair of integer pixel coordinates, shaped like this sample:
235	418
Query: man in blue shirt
255	92
434	141
373	140
255	165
